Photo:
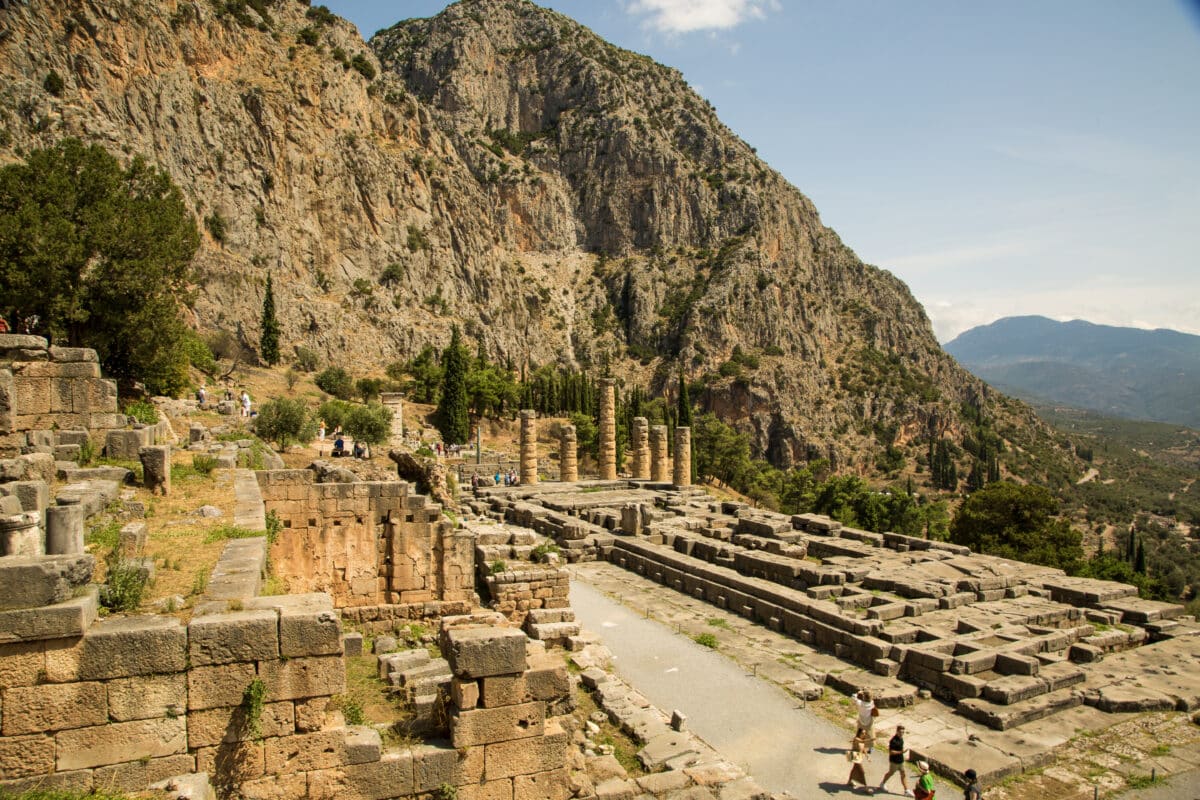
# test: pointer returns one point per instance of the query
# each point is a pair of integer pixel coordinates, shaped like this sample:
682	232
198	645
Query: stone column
529	459
608	430
660	470
640	436
395	402
683	457
64	528
568	456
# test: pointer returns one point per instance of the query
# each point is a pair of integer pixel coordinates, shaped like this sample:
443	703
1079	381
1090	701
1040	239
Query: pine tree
452	418
269	341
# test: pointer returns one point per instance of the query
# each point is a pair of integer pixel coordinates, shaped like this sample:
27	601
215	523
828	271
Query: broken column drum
608	430
683	457
21	535
64	529
660	470
568	457
640	444
529	460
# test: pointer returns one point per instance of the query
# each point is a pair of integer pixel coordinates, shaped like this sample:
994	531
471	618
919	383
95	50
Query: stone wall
527	587
365	543
44	388
124	702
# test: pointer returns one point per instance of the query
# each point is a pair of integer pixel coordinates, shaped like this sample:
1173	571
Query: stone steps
1004	716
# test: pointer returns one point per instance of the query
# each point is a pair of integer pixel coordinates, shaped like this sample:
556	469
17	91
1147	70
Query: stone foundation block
232	763
435	765
488	725
231	724
147	696
125	445
554	785
275	787
120	742
235	636
54	707
311	714
492	790
137	775
35	581
78	781
61	621
391	776
521	757
300	678
304	752
217	687
21	664
464	694
26	755
352	644
483	652
125	646
504	690
547	678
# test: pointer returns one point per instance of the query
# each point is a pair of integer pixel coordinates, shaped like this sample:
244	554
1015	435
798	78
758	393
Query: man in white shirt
867	712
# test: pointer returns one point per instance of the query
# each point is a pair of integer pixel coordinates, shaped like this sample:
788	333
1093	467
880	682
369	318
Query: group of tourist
864	742
500	478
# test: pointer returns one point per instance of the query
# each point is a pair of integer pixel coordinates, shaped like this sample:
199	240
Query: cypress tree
453	421
269	341
685	404
1130	547
1139	565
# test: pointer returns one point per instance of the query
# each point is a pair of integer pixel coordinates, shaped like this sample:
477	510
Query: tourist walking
924	790
896	760
245	403
857	756
867	712
972	790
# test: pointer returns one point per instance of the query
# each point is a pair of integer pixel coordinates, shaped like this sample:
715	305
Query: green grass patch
1161	750
706	640
718	622
105	536
228	531
1143	781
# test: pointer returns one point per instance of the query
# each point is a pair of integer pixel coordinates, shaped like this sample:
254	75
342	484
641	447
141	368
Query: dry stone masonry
682	465
365	543
1003	642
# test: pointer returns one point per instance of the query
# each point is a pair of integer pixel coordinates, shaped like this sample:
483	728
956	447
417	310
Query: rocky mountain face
1124	372
500	167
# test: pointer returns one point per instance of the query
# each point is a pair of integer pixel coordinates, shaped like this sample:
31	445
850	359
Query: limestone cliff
501	167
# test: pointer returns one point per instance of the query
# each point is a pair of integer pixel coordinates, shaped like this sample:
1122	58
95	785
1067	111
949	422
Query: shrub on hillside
337	382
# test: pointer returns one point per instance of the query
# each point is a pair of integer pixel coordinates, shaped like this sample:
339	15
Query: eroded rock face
561	199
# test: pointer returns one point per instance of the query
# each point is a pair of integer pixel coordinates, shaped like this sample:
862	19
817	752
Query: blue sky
1000	158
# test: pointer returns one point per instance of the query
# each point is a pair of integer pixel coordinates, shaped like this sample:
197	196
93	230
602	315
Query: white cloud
686	16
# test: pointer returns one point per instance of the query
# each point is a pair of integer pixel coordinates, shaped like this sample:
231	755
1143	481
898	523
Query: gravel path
751	722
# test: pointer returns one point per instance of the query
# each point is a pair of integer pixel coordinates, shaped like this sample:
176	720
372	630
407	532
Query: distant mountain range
1125	372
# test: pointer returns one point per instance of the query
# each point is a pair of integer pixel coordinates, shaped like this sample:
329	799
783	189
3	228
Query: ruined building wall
365	543
44	388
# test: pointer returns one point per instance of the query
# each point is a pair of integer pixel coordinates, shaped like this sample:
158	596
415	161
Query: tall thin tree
453	420
269	340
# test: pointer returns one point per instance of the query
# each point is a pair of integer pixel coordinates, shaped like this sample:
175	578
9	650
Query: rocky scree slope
501	167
